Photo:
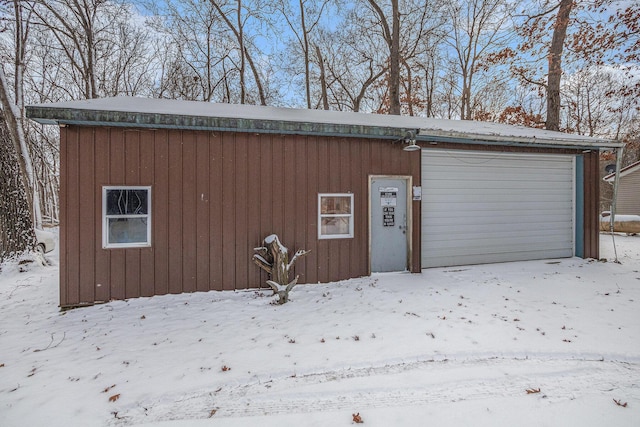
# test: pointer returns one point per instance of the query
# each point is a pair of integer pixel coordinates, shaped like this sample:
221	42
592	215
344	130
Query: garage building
165	196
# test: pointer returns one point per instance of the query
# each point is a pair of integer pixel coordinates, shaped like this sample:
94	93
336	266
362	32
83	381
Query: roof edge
176	114
576	143
87	117
624	171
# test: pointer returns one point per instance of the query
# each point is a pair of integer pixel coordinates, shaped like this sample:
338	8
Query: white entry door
388	224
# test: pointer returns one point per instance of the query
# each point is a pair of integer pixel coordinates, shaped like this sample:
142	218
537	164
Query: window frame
105	218
349	215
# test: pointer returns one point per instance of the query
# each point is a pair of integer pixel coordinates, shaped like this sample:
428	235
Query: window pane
127	202
329	226
336	205
127	230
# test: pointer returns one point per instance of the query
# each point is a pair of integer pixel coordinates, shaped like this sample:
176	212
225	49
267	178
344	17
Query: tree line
568	65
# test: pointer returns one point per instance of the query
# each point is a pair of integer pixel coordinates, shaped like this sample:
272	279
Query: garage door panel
485	158
466	193
480	207
520	175
480	217
450	260
498	183
462	238
535	251
496	244
447	231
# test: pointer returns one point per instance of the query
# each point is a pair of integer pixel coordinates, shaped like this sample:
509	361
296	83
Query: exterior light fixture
410	140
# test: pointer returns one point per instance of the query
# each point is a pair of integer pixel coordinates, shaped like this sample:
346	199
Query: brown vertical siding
174	212
417	214
591	204
203	201
215	196
147	157
72	203
243	214
299	173
189	212
215	211
311	230
323	187
227	199
160	212
254	195
62	237
86	224
103	262
132	177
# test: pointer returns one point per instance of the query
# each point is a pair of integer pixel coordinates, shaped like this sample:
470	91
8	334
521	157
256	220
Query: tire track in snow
402	384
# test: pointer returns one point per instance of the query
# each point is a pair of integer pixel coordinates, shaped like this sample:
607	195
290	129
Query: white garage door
483	207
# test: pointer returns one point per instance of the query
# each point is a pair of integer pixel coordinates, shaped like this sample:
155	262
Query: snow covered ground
450	347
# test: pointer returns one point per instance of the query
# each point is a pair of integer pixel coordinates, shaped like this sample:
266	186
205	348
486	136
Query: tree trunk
394	66
16	227
392	38
242	55
273	257
14	124
323	80
555	65
305	48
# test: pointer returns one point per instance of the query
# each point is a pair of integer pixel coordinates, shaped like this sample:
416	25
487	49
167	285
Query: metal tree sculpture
273	257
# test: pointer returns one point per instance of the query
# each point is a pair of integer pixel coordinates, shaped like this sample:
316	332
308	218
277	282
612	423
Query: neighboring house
163	196
628	201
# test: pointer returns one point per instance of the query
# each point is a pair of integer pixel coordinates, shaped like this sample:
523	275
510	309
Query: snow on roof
146	112
624	171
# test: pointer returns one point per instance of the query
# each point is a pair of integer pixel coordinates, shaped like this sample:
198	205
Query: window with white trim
335	215
126	214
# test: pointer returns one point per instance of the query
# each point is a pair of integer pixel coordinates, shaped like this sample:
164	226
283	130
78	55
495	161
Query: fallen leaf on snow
225	368
619	403
533	390
212	413
114	397
108	388
357	418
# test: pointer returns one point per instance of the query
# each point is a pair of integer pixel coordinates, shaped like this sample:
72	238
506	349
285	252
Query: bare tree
595	103
73	23
358	55
477	29
16	227
391	37
193	51
302	20
103	49
352	65
235	18
12	103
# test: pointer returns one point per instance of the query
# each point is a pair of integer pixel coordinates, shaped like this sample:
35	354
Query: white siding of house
628	194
